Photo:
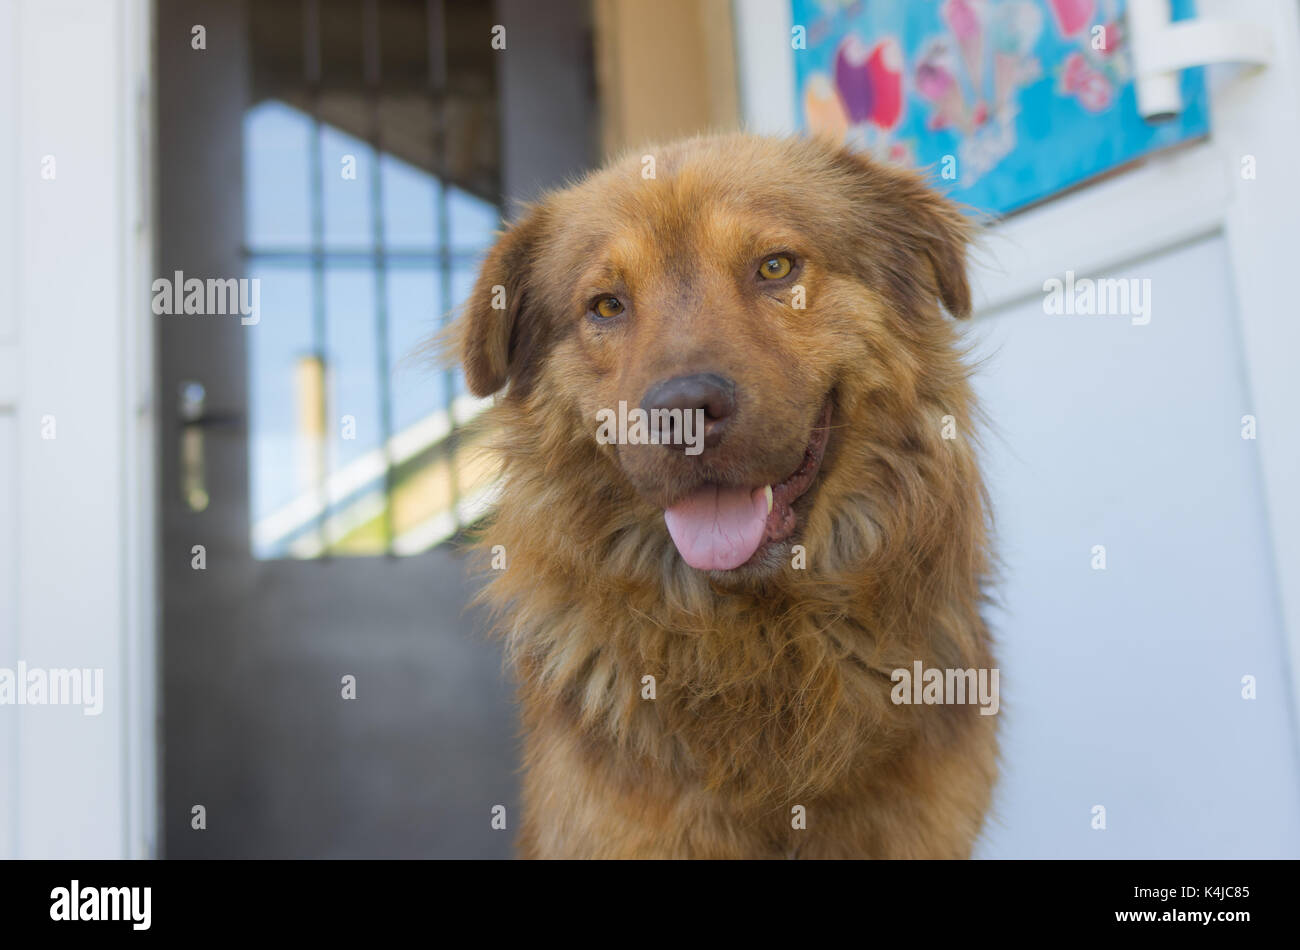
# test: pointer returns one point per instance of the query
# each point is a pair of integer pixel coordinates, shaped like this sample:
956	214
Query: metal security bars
372	184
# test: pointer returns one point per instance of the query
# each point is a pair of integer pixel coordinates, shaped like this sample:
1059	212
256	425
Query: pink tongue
718	529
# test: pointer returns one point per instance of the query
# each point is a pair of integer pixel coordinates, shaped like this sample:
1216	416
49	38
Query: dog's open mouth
719	528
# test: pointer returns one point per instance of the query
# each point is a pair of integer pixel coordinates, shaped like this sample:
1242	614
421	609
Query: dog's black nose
708	392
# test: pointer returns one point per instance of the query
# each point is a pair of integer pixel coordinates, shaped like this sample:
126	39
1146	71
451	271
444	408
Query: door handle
1162	49
195	418
193	408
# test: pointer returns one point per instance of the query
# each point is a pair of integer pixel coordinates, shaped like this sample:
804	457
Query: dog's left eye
775	267
608	307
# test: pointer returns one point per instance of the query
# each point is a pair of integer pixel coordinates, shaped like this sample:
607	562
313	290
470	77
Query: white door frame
1168	200
76	511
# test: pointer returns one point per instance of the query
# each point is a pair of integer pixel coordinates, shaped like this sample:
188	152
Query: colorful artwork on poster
1006	101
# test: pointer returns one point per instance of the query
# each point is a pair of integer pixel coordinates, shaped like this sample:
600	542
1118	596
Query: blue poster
1006	102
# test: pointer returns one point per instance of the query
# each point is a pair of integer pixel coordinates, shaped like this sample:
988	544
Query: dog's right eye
608	307
776	267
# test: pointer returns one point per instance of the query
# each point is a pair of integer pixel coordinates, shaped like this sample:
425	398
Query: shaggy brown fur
772	683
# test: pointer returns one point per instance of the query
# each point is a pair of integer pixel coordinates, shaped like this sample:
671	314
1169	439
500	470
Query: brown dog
706	639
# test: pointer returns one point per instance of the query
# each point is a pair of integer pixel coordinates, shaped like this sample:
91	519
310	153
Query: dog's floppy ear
908	224
944	233
495	330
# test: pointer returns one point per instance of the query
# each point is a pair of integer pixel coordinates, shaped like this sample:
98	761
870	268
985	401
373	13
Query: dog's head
741	328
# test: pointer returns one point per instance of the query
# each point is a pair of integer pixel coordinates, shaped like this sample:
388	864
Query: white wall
1122	687
765	63
75	511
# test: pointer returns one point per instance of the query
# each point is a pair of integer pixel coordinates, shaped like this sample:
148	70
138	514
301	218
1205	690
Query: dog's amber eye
775	267
609	307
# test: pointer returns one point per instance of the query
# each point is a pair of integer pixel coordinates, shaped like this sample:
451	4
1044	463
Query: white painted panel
8	631
8	174
140	676
8	428
8	376
1257	115
1122	687
70	523
765	62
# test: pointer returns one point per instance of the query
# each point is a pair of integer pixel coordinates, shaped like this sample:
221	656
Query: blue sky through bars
282	248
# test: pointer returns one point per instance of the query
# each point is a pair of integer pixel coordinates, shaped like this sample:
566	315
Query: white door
76	429
1144	470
